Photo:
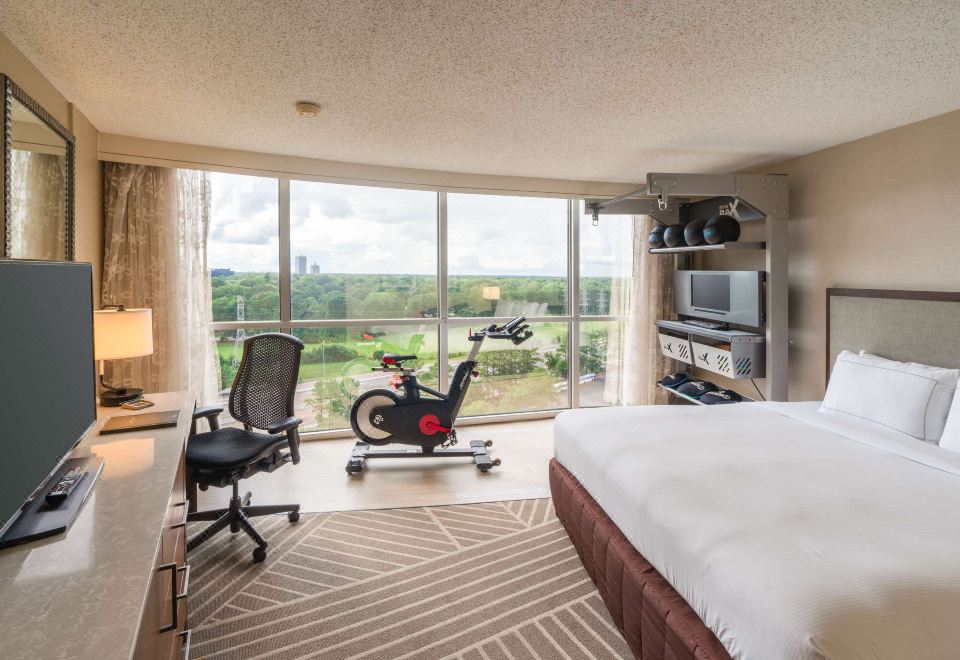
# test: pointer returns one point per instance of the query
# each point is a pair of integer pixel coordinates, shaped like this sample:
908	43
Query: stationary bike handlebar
515	330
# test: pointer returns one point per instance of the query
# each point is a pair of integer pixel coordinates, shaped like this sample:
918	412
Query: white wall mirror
38	174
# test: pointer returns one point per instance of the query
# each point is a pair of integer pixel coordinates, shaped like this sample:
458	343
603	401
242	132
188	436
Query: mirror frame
11	92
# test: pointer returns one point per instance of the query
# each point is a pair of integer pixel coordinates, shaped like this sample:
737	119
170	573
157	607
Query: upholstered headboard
911	326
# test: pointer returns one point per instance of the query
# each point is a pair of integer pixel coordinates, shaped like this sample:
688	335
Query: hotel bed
765	530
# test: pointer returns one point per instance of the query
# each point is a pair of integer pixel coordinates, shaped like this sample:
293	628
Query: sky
360	229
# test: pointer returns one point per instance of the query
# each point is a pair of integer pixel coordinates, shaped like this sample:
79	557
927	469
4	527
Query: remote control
65	486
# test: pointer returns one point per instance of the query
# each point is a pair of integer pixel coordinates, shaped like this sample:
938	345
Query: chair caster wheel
293	516
488	443
259	555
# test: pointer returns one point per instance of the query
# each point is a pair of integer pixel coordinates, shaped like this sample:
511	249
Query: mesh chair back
266	381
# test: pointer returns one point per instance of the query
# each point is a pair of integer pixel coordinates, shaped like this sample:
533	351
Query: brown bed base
656	621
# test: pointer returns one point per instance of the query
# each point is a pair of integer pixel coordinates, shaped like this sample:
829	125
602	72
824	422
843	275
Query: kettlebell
655	239
721	229
673	236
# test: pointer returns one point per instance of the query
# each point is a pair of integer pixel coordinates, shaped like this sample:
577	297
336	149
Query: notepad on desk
153	420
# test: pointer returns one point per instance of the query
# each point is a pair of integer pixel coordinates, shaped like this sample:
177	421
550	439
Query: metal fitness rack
673	198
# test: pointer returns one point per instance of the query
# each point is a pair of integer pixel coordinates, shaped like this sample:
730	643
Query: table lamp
491	293
120	333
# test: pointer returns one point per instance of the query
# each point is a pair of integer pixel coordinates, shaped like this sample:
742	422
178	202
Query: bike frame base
477	451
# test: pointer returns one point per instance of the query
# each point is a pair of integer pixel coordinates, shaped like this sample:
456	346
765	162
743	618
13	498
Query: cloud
360	229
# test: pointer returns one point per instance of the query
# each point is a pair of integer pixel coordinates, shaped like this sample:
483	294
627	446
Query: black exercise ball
693	232
655	239
721	229
673	236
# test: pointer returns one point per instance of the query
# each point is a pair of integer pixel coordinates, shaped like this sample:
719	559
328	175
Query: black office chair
261	398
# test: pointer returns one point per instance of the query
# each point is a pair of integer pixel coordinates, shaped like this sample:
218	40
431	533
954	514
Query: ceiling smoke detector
307	109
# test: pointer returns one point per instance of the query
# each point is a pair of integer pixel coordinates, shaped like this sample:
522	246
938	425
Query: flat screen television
47	373
730	296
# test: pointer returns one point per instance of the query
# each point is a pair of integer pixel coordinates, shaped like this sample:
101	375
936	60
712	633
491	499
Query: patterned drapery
155	255
38	205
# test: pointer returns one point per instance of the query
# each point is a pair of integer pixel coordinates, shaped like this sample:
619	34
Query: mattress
790	532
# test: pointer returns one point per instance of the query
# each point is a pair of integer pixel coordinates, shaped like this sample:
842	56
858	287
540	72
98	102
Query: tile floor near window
320	483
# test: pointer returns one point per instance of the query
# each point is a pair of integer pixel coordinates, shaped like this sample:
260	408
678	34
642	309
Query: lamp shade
491	293
119	334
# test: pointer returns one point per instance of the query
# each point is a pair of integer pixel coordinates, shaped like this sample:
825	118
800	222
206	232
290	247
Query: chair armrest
289	425
210	413
206	411
284	425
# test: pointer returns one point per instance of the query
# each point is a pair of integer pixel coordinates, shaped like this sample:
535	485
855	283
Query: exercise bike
383	417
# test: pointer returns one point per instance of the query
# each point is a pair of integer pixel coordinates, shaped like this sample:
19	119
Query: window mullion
284	235
573	287
443	371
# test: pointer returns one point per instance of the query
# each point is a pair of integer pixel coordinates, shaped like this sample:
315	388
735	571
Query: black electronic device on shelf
725	296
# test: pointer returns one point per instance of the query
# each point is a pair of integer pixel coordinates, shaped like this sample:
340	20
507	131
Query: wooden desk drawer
161	637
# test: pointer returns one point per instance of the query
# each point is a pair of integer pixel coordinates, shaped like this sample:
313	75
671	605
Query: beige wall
125	149
89	188
882	212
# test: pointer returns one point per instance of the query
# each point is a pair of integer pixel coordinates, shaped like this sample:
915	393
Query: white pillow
951	432
911	398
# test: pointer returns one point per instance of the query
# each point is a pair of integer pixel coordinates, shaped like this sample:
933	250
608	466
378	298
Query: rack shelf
736	245
723	335
697	401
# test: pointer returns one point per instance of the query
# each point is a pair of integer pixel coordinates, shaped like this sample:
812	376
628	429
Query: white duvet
792	533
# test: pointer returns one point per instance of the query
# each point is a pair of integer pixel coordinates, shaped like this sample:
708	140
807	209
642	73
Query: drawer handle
186	635
177	595
183	523
172	567
185	569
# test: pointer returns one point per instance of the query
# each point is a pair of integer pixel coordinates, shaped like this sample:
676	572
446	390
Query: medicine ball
673	236
721	396
693	232
655	239
721	229
696	388
674	380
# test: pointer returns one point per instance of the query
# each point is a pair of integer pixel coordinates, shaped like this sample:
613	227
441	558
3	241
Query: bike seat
393	358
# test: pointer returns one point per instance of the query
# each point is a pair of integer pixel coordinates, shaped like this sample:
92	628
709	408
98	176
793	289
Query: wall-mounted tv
47	372
730	296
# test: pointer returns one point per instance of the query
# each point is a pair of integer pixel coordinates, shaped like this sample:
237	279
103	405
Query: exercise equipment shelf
697	401
722	335
674	198
736	245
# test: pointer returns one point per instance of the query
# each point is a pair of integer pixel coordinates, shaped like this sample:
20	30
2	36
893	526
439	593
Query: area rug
474	581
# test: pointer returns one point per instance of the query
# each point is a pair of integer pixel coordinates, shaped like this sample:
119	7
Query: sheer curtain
155	238
643	294
642	290
651	299
38	205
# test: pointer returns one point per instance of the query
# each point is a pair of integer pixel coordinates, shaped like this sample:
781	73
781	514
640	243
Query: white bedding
793	533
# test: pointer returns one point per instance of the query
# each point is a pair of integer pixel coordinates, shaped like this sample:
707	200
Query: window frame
443	321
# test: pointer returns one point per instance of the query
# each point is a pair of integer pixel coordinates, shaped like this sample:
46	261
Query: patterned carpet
477	582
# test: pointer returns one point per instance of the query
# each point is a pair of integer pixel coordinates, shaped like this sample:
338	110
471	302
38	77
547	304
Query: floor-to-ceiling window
358	271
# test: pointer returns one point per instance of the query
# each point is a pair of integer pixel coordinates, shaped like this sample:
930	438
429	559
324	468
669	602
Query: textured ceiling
591	90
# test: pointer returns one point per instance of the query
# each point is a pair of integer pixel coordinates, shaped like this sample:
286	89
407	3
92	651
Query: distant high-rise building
301	262
314	269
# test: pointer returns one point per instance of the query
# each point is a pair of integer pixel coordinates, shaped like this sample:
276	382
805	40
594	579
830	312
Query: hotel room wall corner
877	213
88	187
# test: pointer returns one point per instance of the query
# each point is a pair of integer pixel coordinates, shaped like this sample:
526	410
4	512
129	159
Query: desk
93	592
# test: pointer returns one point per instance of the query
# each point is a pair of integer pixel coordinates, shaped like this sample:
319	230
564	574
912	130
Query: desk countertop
80	594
